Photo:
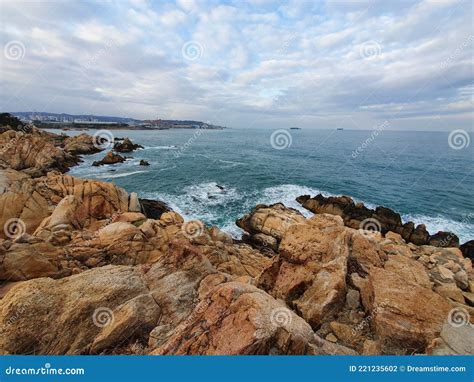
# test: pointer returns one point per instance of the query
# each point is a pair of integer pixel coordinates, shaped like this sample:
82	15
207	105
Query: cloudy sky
243	64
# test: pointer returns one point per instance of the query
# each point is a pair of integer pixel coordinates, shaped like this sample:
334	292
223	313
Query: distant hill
63	117
62	120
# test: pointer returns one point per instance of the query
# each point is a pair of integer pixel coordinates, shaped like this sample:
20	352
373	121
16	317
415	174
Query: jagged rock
388	219
69	214
406	316
444	239
366	252
9	122
311	271
410	270
73	315
461	278
236	319
353	299
371	347
467	249
153	209
126	146
109	158
134	203
451	291
144	163
81	144
32	154
457	340
27	261
32	200
271	220
384	218
420	235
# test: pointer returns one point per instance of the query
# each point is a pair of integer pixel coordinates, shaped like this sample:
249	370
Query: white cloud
298	60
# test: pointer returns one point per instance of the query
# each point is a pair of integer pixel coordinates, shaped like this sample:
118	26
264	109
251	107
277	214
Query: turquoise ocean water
418	174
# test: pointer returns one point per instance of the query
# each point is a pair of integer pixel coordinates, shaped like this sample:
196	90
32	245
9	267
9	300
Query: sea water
219	175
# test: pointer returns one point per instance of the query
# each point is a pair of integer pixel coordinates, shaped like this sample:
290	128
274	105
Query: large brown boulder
32	199
443	239
80	314
407	316
32	154
236	318
109	158
81	144
311	270
266	225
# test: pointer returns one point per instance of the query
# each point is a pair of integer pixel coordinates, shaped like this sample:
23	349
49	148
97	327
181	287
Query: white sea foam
287	194
161	147
120	175
208	202
463	229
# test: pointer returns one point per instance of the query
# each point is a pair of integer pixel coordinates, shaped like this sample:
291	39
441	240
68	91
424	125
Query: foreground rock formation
88	268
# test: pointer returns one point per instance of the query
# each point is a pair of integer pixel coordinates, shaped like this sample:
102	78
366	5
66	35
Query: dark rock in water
303	198
444	239
127	146
467	249
110	158
220	187
407	230
387	220
420	235
153	209
143	162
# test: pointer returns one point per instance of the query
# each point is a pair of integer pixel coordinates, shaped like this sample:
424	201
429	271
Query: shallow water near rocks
217	176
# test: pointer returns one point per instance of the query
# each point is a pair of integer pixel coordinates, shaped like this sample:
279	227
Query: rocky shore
88	268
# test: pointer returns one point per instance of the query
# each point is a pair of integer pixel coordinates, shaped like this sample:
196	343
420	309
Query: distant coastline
45	120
